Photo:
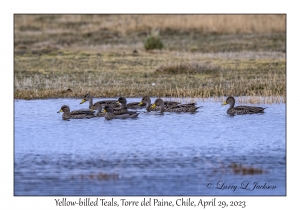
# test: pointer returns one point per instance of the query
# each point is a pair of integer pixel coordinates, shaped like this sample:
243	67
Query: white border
9	8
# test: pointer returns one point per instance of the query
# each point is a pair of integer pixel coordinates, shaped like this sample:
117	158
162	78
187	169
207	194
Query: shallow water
169	154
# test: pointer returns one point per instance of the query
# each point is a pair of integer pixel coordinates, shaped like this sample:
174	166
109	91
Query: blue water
169	154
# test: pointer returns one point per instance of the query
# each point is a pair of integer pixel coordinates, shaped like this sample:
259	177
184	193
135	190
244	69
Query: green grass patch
153	42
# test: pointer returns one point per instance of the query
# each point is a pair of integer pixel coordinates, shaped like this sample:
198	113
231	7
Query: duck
109	114
76	114
147	101
175	108
241	109
133	105
89	98
116	110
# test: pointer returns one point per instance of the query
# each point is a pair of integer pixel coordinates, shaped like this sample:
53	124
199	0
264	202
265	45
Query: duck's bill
60	111
104	111
224	103
91	109
140	104
82	101
118	103
153	106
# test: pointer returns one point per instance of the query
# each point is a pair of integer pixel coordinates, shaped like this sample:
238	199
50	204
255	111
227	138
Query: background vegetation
104	55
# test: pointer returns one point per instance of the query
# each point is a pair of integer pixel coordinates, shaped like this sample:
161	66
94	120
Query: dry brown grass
123	24
204	56
188	68
41	34
133	76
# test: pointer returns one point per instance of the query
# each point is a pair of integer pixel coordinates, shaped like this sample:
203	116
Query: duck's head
145	100
96	106
122	101
158	102
230	100
64	108
86	97
108	109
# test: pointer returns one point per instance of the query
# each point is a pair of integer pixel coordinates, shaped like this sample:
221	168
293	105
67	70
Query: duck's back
245	110
78	114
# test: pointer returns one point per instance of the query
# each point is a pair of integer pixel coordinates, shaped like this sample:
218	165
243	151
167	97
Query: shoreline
239	99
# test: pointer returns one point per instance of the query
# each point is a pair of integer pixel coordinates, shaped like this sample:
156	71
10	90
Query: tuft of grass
153	42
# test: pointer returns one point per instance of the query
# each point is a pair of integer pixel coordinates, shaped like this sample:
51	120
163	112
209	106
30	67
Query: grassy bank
203	56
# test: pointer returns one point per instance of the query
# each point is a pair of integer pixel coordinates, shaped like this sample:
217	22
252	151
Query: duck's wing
126	115
106	102
248	109
170	103
79	114
120	110
182	108
82	112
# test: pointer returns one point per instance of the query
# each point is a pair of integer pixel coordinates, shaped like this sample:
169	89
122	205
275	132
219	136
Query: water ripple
169	154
